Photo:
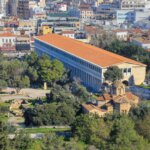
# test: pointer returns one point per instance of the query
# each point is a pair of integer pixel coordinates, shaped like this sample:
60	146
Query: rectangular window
125	70
129	70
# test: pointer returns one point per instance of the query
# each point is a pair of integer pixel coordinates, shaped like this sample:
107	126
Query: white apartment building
7	42
121	34
144	43
134	4
3	6
70	34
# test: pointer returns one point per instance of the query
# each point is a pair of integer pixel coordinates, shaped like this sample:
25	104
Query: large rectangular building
86	62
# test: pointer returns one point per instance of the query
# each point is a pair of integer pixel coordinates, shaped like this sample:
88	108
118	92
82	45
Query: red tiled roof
130	96
104	97
116	31
87	52
91	107
6	35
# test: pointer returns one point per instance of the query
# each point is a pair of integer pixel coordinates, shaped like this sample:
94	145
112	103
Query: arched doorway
125	82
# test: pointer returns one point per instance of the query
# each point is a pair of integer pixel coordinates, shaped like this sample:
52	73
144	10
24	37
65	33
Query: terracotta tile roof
6	35
131	96
84	51
104	97
136	31
116	31
91	29
91	107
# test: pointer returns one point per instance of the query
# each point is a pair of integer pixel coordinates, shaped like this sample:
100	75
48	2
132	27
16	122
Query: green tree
32	73
113	73
31	59
3	84
22	141
50	71
138	113
102	39
20	82
143	127
91	130
52	142
44	66
124	137
50	114
57	70
4	142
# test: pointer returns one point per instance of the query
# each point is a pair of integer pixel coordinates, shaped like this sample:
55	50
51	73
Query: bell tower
118	88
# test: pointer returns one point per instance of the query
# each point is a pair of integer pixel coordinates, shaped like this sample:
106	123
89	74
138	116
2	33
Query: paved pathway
28	93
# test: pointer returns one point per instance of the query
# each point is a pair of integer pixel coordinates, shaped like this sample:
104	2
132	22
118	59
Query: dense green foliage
117	133
43	69
91	130
113	132
29	71
102	39
22	141
124	137
50	114
141	117
4	142
113	74
60	107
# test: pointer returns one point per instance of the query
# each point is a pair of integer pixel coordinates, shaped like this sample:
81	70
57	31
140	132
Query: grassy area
144	86
45	130
81	146
3	104
36	145
4	109
3	117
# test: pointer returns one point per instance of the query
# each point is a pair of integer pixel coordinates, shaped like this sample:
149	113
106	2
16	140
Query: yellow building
28	25
98	2
46	30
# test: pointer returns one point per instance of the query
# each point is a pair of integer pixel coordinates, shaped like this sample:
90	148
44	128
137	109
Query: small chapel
116	100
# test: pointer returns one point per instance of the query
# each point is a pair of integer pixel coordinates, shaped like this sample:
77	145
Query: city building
12	7
42	3
142	42
70	34
86	12
131	11
29	26
134	4
23	43
3	7
88	63
125	16
121	34
60	24
7	42
23	10
141	15
62	6
45	29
